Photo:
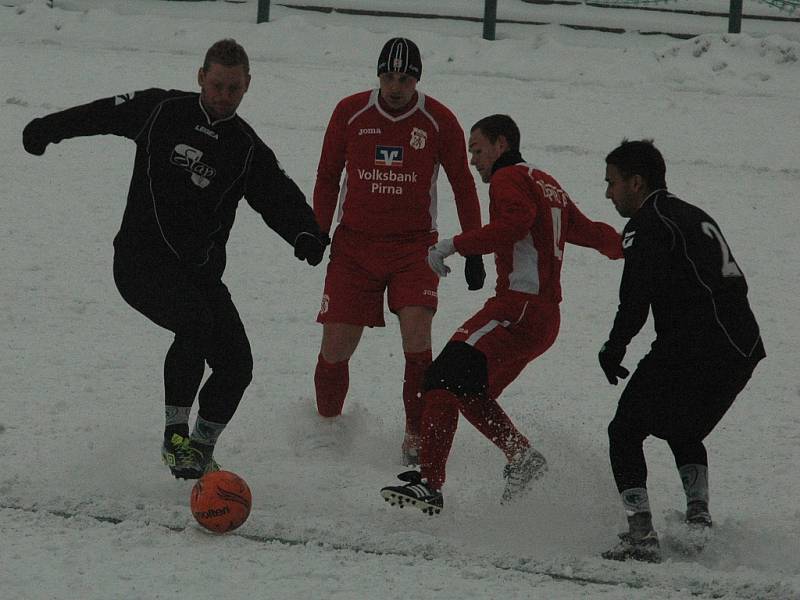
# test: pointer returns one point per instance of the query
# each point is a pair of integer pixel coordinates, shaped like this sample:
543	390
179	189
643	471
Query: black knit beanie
400	55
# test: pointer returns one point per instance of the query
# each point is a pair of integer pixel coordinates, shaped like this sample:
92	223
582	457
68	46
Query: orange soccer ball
221	501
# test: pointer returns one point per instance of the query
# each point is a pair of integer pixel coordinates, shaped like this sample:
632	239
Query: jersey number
729	268
556	213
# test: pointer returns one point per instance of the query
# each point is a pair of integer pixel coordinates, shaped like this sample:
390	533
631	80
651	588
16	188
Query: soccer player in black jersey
679	266
195	160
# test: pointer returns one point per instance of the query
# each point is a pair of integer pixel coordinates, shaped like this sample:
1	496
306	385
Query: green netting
788	5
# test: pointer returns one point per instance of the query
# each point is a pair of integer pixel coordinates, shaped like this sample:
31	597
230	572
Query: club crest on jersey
418	138
389	156
188	158
627	241
122	98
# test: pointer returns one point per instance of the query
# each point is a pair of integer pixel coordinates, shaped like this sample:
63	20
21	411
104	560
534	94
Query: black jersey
189	175
678	264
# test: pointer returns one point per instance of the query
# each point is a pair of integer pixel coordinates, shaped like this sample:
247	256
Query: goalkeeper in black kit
195	160
679	266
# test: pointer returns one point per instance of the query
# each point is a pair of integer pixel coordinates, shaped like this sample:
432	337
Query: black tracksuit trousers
207	329
680	404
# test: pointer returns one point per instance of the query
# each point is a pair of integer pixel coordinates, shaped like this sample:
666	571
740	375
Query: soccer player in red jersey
390	143
531	218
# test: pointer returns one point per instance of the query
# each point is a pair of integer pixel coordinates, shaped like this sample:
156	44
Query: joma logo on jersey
188	158
389	156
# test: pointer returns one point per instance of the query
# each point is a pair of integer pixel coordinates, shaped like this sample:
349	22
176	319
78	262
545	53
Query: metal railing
263	11
490	11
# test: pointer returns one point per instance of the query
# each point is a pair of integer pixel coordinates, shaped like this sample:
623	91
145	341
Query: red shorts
511	331
361	268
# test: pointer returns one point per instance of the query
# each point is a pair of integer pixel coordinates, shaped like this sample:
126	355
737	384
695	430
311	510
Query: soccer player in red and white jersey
531	218
390	142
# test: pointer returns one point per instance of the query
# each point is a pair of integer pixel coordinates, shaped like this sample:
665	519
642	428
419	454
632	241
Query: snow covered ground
88	511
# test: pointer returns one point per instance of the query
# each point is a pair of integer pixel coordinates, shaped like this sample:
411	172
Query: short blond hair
228	53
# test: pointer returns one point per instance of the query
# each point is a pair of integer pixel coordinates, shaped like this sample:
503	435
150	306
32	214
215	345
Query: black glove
310	248
610	357
34	138
474	272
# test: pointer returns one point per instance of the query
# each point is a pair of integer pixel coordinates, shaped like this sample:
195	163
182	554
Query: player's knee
617	431
627	432
186	348
244	370
242	367
234	362
459	369
196	325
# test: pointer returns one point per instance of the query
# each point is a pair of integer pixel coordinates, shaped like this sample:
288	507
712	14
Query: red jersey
391	164
530	219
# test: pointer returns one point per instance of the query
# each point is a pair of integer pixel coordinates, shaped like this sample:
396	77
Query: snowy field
87	510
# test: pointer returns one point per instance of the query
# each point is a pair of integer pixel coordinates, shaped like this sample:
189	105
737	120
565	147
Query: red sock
416	363
491	420
439	422
331	381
